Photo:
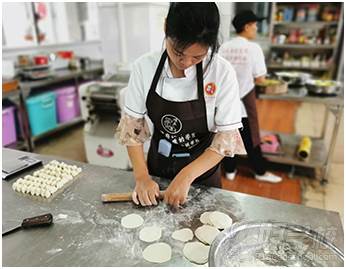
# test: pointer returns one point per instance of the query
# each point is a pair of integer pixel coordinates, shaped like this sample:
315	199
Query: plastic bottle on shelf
326	40
279	15
315	63
312	13
305	61
286	59
301	15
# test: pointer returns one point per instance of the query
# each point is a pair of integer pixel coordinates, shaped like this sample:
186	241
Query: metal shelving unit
277	67
329	50
316	24
94	70
303	47
321	151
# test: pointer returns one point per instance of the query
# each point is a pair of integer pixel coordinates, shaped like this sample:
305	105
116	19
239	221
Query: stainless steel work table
88	233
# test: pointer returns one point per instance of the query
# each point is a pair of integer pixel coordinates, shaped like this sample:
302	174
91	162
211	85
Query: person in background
191	96
247	58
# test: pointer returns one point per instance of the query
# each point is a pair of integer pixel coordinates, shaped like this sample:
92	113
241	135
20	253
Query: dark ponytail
191	22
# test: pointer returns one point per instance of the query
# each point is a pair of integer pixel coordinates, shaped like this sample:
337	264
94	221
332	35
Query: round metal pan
271	243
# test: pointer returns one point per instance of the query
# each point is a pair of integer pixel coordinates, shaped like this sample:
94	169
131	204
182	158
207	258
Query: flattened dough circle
196	252
183	235
220	220
132	221
157	253
204	218
206	234
150	234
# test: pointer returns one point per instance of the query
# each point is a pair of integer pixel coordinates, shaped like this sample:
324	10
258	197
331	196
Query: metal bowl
294	78
271	243
330	87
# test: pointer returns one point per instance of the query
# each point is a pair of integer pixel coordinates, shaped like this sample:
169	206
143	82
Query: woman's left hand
178	189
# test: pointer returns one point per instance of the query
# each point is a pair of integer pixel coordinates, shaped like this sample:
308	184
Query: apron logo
210	88
171	124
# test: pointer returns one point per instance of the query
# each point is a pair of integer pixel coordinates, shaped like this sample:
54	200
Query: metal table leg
25	121
337	111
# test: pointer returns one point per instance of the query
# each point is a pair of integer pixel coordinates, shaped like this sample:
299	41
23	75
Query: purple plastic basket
9	134
67	104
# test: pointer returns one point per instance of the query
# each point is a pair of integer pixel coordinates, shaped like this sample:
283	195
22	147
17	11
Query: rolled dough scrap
132	221
204	218
206	234
150	234
183	235
157	253
196	252
220	220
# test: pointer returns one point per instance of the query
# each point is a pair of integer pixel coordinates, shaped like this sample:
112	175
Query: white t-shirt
247	58
221	90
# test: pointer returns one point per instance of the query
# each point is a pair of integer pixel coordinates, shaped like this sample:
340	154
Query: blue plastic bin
42	113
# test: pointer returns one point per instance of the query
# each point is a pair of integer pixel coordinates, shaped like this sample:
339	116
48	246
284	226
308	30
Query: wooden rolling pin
121	197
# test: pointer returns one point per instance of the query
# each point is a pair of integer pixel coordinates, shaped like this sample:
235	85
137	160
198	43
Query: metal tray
272	243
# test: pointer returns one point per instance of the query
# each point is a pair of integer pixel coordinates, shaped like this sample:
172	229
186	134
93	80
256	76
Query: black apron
183	126
249	102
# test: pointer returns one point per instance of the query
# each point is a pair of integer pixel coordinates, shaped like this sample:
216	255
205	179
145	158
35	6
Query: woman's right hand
146	192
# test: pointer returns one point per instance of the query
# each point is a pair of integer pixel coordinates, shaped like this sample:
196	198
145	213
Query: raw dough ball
220	220
204	218
42	192
157	253
24	189
150	234
47	194
15	186
37	191
132	221
196	252
32	190
206	234
52	189
68	177
183	235
59	185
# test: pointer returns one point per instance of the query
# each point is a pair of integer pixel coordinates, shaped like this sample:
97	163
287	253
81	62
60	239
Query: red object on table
41	60
66	54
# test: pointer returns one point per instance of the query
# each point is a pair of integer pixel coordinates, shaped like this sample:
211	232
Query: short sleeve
258	64
228	106
134	97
